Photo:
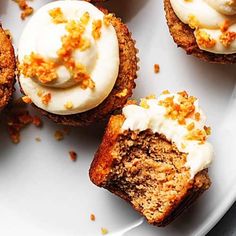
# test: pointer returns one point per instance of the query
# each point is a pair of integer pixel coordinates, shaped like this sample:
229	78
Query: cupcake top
180	119
68	57
214	22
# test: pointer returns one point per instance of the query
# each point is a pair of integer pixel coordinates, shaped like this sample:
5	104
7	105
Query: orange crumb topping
46	98
35	66
123	93
57	16
92	217
69	105
44	70
156	68
204	39
224	26
179	111
193	22
107	19
58	135
73	155
26	99
227	38
96	29
26	9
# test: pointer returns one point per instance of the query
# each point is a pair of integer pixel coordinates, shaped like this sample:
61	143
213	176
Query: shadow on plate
125	9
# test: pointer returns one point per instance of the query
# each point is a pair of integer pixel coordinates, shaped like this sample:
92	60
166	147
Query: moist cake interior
149	172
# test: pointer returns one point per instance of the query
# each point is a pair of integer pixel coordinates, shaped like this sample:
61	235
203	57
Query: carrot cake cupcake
204	28
155	156
77	63
7	68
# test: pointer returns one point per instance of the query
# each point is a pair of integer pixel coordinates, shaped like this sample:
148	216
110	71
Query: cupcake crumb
73	155
25	8
156	68
104	231
59	135
92	217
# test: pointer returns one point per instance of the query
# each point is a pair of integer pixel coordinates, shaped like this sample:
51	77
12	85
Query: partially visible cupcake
77	63
204	28
7	69
155	156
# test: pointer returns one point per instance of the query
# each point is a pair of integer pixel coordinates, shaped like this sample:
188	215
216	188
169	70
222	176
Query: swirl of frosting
178	117
213	21
69	57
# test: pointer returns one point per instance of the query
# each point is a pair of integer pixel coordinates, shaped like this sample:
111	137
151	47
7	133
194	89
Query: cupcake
155	156
204	28
77	63
7	68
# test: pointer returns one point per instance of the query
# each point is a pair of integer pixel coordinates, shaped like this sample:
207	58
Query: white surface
42	192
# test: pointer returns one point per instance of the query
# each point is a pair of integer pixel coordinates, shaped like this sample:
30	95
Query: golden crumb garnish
197	116
59	135
26	9
57	16
144	103
107	19
204	39
36	67
180	111
156	68
46	98
224	26
73	155
26	99
104	231
193	22
123	93
85	18
197	135
227	38
165	92
207	130
96	29
92	217
40	93
152	96
183	146
69	105
131	102
191	126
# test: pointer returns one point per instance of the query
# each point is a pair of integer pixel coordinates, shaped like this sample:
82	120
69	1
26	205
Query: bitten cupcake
7	69
204	28
155	156
77	63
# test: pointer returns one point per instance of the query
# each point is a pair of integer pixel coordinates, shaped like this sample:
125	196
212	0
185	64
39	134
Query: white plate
42	192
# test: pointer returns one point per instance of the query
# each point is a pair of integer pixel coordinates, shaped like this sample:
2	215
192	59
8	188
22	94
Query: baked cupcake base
122	90
184	37
7	69
147	171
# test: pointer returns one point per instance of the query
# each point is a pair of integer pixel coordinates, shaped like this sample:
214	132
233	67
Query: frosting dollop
69	57
214	22
178	117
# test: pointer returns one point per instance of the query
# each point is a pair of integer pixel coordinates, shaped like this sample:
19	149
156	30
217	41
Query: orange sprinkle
58	135
57	16
73	155
96	29
26	99
156	68
92	217
46	98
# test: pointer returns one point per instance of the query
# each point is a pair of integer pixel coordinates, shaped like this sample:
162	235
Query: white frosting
210	14
199	156
101	60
